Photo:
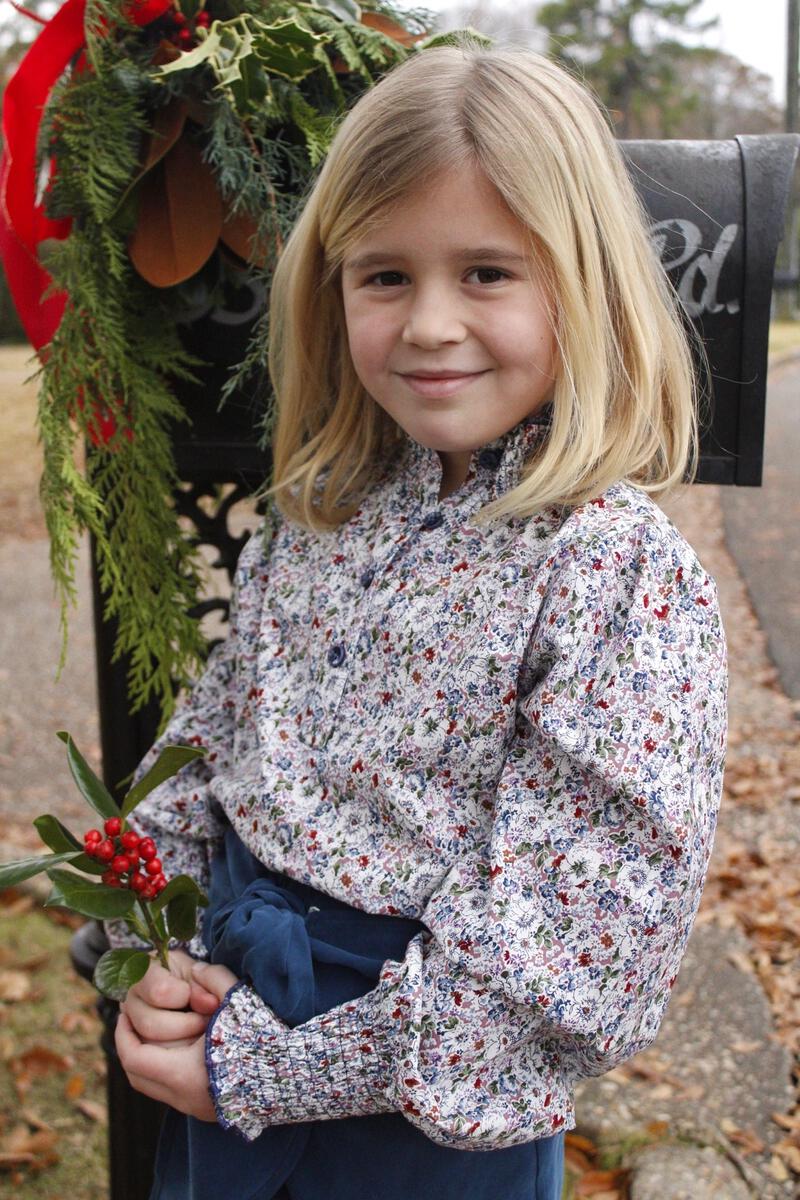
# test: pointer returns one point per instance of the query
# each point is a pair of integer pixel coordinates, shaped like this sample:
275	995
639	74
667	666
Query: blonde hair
624	401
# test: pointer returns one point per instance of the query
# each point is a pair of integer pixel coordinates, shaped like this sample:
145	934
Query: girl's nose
433	319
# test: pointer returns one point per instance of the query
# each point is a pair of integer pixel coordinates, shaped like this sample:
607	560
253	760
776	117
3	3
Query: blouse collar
494	469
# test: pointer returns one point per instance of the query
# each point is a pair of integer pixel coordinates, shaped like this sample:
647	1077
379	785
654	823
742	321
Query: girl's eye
489	274
387	278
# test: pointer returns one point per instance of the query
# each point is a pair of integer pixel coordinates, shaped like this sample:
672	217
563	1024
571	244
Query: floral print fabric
514	733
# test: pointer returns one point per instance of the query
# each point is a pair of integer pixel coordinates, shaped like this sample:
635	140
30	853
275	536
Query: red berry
179	18
133	855
148	892
184	36
112	826
147	849
110	879
138	881
159	883
130	840
121	864
153	867
105	851
93	835
203	18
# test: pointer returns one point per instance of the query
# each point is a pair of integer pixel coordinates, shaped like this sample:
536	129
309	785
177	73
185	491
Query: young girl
466	736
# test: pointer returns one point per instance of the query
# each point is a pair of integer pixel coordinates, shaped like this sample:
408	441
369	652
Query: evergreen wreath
184	133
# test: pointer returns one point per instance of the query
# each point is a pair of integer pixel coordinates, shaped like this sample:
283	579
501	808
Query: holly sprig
131	886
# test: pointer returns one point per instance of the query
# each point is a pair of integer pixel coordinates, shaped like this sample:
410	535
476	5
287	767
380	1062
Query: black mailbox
718	212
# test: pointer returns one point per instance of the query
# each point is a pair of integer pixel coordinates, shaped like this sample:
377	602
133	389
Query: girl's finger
202	1001
162	989
137	1057
214	978
162	1024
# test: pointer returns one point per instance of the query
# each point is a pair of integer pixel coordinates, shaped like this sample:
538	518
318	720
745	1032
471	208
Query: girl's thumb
214	978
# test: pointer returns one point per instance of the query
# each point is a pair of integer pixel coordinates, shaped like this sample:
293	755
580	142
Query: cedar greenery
269	107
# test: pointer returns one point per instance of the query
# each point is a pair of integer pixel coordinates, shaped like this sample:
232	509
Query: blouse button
336	655
367	576
432	521
490	459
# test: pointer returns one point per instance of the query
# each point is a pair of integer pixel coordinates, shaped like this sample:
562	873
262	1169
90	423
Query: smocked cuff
263	1073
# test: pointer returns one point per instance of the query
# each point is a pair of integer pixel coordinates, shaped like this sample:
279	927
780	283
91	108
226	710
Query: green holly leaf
25	868
168	763
87	898
55	835
119	970
182	917
58	838
93	790
181	885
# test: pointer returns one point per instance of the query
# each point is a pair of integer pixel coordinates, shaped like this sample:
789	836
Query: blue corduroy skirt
305	952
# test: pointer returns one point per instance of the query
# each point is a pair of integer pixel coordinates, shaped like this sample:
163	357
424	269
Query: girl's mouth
440	386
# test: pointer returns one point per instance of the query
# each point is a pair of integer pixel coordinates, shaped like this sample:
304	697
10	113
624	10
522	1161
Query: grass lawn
52	1071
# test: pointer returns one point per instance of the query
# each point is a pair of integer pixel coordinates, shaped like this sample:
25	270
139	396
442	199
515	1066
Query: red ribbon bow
23	222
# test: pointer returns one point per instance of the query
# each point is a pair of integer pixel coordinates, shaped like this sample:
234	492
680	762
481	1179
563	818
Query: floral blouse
513	733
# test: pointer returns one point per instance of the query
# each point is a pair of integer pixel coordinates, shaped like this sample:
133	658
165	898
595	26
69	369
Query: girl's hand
174	1074
171	1007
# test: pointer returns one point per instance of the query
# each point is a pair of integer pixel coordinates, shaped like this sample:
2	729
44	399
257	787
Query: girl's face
449	329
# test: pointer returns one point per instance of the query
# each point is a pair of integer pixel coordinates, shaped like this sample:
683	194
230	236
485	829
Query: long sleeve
553	949
181	814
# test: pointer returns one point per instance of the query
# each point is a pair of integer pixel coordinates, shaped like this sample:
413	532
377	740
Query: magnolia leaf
181	885
239	235
179	218
390	28
93	790
55	835
167	127
169	762
87	898
25	868
119	970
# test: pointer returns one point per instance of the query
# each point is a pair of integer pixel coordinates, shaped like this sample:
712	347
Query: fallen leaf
599	1183
93	1110
787	1120
39	1060
740	960
657	1128
34	962
747	1140
14	903
14	986
36	1150
777	1169
34	1120
579	1142
790	1154
76	1020
74	1087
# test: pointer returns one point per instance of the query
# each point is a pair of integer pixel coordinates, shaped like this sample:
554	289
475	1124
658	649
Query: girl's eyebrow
481	254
